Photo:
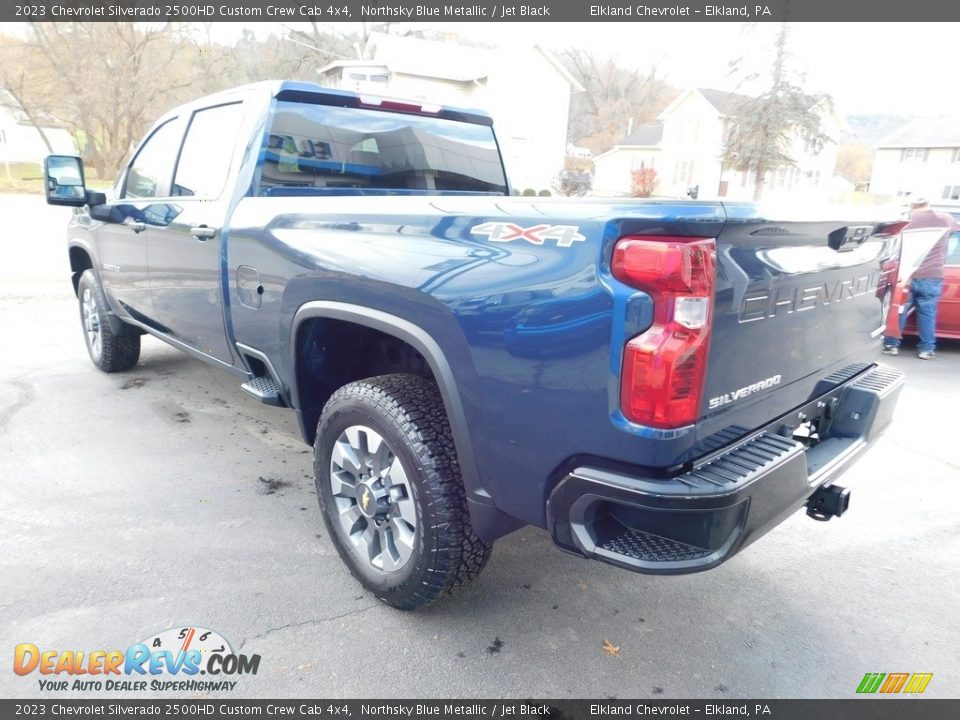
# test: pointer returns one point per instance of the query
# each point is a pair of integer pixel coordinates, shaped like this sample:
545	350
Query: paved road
164	496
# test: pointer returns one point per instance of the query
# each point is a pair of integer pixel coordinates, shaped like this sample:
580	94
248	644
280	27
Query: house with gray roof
639	149
685	147
921	158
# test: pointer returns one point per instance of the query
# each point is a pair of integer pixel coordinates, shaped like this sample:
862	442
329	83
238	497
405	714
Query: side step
264	389
647	547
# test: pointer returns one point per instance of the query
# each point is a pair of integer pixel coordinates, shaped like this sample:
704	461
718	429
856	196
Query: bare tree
612	97
111	81
855	162
21	82
107	82
327	43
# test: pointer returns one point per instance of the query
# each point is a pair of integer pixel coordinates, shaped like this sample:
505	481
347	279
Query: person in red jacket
923	254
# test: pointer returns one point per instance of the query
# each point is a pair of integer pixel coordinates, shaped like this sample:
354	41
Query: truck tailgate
795	301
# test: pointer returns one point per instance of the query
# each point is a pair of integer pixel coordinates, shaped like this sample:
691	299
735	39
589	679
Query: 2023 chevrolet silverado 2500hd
657	383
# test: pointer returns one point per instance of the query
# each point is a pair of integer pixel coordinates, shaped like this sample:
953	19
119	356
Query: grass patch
21	178
27	178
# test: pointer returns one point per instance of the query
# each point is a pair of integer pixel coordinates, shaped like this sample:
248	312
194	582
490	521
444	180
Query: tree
644	182
109	81
759	135
21	83
855	162
612	97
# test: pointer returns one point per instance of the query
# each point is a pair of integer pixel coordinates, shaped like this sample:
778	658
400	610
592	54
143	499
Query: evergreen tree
759	137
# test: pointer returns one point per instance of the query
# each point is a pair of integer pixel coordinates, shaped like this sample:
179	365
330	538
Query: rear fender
488	521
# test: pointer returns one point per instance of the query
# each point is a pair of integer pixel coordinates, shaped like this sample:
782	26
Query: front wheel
108	351
390	491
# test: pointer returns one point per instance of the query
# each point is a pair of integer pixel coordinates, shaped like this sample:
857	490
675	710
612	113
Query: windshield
324	149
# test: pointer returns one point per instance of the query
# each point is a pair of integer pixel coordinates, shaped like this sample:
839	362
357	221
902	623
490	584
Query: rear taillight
664	367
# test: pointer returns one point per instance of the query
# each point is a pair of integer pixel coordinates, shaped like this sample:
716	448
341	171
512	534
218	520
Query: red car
948	310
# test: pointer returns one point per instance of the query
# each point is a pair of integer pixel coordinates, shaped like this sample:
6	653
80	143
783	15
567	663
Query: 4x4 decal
565	235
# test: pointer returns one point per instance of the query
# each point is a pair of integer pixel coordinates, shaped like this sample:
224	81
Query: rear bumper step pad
700	518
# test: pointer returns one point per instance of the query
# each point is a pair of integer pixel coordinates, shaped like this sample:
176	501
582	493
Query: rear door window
208	151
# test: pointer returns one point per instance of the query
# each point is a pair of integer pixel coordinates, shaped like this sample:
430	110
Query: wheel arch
406	332
80	259
489	522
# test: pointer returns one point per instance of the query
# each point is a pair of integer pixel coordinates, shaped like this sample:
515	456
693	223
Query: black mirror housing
63	180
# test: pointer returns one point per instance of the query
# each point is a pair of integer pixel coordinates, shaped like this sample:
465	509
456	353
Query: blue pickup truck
657	383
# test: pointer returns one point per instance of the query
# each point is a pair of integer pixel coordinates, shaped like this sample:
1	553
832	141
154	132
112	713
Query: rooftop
449	60
925	132
727	103
646	135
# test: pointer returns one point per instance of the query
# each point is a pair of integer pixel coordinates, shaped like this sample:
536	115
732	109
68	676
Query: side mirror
63	180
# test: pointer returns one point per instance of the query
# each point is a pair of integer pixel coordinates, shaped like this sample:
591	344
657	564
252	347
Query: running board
264	389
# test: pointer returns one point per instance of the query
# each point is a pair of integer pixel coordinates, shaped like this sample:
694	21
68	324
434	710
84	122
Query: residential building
922	158
689	153
524	88
576	152
613	169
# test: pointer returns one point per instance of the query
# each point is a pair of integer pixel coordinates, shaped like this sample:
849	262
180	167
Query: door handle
137	227
202	232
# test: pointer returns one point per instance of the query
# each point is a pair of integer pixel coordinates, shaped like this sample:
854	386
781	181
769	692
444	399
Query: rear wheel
389	487
108	351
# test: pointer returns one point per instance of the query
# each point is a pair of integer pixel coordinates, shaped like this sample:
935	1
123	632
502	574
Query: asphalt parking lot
165	497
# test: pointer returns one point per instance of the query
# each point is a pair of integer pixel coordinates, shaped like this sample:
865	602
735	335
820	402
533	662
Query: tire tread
414	403
118	352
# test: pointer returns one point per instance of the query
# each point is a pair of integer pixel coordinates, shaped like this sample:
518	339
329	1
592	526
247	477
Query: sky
884	68
887	68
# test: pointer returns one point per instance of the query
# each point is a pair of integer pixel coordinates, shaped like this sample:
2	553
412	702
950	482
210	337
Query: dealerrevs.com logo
172	660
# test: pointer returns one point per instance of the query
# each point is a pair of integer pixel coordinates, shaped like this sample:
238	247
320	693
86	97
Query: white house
20	142
922	158
613	169
690	151
524	88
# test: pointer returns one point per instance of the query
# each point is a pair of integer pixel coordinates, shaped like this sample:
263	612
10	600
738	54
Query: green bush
544	193
529	192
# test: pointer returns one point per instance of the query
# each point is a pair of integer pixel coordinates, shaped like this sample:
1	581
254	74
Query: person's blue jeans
924	296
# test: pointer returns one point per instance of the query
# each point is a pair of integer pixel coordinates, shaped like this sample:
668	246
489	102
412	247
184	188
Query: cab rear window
320	149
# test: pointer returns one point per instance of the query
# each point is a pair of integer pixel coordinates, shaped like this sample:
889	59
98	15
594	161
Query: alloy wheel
91	321
373	498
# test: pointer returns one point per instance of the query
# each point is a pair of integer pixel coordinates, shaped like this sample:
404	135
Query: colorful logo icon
892	683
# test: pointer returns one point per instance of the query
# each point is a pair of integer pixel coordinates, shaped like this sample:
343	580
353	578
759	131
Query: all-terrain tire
108	351
406	413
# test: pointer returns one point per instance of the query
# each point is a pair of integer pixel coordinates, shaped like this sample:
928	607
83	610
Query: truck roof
314	93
